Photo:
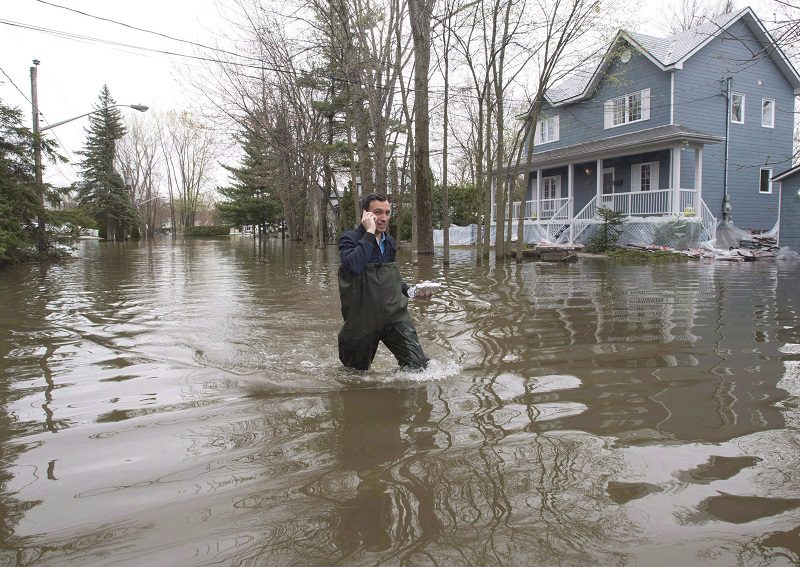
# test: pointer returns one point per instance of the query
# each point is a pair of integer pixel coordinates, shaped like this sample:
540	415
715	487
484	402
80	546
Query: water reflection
393	506
183	404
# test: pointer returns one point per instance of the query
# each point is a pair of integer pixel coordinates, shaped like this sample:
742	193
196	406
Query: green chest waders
374	309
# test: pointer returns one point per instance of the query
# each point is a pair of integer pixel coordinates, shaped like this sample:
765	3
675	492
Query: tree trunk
420	12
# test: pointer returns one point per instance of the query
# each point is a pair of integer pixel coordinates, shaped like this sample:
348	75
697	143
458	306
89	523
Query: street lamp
37	147
139	107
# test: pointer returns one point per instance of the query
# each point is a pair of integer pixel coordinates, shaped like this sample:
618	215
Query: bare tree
566	24
188	147
139	158
420	12
692	13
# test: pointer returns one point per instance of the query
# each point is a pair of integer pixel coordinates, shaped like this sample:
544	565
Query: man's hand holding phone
368	221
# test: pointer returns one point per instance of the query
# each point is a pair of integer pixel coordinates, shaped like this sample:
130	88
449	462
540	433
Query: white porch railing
639	203
708	219
546	209
689	203
560	227
587	216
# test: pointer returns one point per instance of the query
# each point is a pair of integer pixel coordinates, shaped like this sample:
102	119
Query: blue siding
790	213
700	104
583	121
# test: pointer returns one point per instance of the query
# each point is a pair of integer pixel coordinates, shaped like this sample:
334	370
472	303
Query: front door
608	180
551	190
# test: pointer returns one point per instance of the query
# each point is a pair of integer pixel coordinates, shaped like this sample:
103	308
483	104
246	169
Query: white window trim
743	107
769	192
772	100
636	176
556	130
608	109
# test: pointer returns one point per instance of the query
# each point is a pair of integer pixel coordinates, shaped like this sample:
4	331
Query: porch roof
643	141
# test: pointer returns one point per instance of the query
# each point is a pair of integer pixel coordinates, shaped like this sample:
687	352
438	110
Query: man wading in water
374	296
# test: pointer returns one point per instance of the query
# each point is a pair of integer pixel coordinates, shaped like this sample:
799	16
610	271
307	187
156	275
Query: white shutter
646	104
556	127
636	177
654	186
608	114
536	133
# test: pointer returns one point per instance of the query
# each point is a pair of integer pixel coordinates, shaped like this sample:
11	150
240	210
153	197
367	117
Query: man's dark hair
365	201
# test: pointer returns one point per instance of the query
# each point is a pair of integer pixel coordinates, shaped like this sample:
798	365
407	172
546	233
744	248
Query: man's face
382	211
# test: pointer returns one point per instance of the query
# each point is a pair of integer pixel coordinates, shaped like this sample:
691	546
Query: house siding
583	121
790	212
700	103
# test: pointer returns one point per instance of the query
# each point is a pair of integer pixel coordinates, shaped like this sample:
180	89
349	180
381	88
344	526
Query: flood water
183	404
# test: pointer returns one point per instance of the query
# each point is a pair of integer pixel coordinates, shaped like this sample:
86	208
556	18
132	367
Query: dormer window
547	130
632	107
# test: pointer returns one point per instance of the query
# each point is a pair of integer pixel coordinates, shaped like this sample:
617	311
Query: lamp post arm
139	107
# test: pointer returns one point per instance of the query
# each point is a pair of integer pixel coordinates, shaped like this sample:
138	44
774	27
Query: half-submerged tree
102	188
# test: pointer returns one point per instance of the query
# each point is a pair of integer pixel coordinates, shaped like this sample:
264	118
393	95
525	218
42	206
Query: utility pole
41	229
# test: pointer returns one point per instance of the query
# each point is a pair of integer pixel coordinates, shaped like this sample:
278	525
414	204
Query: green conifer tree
249	199
102	189
19	206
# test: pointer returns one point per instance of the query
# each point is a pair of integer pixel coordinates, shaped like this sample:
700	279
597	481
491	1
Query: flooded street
183	404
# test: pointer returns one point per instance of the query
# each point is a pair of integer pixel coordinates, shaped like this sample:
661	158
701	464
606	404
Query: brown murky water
184	405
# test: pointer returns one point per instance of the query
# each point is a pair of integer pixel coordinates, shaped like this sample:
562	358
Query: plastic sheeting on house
468	235
679	233
728	236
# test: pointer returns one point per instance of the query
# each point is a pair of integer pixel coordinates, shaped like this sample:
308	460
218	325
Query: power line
15	86
144	30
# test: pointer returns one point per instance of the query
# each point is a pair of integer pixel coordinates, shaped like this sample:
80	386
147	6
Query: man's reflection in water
380	426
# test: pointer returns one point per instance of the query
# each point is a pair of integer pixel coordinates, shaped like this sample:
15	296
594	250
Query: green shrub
607	234
210	230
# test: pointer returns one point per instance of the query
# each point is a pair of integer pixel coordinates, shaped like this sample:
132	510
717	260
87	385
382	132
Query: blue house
686	129
788	188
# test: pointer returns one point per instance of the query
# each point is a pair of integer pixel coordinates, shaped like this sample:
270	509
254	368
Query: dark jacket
357	248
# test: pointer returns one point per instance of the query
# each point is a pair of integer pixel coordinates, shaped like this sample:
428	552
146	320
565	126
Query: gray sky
73	70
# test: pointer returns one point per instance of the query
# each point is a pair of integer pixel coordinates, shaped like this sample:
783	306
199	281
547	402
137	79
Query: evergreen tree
102	188
250	200
19	206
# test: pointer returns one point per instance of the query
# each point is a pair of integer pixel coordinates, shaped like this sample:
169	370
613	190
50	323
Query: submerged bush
210	230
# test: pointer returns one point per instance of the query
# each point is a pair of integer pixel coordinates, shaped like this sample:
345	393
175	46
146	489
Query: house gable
672	52
584	121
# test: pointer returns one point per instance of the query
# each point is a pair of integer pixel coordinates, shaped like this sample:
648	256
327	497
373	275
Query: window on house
644	176
737	108
767	113
765	185
547	130
631	107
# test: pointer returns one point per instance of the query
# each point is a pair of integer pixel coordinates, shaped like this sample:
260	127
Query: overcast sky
73	69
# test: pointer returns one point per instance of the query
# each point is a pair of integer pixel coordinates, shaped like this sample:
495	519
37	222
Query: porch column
570	188
698	179
676	180
599	181
538	193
